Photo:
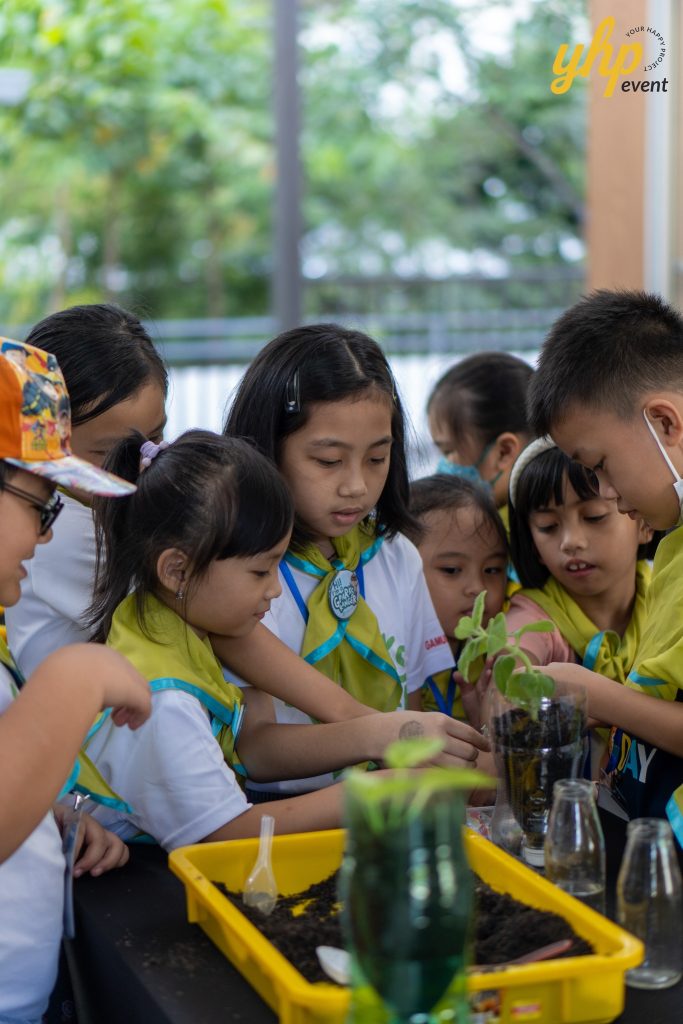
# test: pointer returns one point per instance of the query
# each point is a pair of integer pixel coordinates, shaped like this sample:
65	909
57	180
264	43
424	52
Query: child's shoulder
669	553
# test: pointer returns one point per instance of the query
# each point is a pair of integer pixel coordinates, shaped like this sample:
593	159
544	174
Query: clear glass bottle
649	903
574	843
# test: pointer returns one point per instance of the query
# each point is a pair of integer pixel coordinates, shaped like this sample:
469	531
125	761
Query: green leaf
544	626
546	684
472	658
495	643
409	753
528	690
522	688
464	628
478	610
502	670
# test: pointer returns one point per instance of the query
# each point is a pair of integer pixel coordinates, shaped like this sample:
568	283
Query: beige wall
615	172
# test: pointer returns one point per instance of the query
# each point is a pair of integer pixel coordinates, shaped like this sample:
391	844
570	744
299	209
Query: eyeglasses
49	510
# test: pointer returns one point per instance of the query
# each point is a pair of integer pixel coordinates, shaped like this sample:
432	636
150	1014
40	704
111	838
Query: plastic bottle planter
533	751
406	890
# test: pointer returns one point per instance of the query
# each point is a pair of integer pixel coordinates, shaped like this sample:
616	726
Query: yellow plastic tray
578	990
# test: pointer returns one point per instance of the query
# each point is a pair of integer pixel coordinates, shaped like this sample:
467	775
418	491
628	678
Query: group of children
278	602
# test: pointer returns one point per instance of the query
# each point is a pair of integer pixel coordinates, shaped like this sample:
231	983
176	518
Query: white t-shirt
171	771
57	590
396	590
31	907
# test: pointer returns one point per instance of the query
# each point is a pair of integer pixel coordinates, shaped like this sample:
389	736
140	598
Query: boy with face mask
609	390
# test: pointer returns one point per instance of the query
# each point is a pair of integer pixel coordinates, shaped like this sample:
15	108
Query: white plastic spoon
260	888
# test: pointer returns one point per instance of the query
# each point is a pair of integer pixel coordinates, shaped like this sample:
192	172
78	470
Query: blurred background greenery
439	171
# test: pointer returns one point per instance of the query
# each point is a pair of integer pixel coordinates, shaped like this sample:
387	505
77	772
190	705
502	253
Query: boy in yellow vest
609	390
43	720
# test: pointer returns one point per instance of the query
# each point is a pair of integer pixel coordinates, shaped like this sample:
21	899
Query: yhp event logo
612	61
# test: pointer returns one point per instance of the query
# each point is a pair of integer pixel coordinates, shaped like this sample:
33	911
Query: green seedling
393	801
527	687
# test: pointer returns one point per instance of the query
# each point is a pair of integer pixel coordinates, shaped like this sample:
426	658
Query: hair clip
149	451
292	396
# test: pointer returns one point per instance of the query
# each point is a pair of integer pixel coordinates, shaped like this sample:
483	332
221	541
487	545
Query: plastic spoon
260	888
336	962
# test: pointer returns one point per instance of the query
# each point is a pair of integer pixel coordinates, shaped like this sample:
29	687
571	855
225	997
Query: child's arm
264	661
310	812
271	751
42	730
656	721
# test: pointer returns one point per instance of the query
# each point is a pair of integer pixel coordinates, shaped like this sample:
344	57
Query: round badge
343	594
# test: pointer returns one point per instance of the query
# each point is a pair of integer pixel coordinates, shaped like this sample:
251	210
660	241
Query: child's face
626	461
463	450
143	411
235	593
586	544
493	462
336	466
20	523
462	555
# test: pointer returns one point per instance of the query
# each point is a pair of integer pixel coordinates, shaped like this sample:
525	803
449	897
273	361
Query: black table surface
136	958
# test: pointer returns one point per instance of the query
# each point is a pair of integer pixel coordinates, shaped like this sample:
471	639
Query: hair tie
149	451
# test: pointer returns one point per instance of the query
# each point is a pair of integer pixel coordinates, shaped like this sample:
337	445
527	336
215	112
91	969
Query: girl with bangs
321	402
581	563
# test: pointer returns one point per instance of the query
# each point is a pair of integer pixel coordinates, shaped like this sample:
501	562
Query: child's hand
101	678
474	695
101	849
125	690
462	743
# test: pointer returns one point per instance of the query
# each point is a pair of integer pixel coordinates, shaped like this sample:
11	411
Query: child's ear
645	532
172	569
667	419
507	447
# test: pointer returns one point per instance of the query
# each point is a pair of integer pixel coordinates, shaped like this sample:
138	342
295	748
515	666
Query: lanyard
288	577
444	706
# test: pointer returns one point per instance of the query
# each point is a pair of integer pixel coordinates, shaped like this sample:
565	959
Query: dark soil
504	927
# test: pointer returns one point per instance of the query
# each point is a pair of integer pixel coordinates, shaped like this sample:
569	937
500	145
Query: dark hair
314	364
605	352
105	354
443	493
541	482
210	496
484	395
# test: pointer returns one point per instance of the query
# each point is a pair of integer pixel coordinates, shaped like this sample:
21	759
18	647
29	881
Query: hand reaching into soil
100	849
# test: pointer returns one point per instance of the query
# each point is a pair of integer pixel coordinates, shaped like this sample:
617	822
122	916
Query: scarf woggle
342	637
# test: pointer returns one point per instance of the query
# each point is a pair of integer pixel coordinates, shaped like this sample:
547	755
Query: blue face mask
468	472
445	465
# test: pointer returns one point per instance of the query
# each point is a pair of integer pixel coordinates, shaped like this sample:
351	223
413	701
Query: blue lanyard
444	706
288	577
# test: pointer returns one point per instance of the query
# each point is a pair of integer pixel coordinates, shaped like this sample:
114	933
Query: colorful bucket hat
35	423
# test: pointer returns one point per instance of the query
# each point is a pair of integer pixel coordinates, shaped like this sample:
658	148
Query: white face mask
678	480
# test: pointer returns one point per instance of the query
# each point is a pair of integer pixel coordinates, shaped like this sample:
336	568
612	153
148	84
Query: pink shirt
542	647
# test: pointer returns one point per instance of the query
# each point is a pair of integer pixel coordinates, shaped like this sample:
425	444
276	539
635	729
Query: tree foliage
140	166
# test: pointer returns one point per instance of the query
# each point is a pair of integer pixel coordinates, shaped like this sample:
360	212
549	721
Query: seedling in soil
527	687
